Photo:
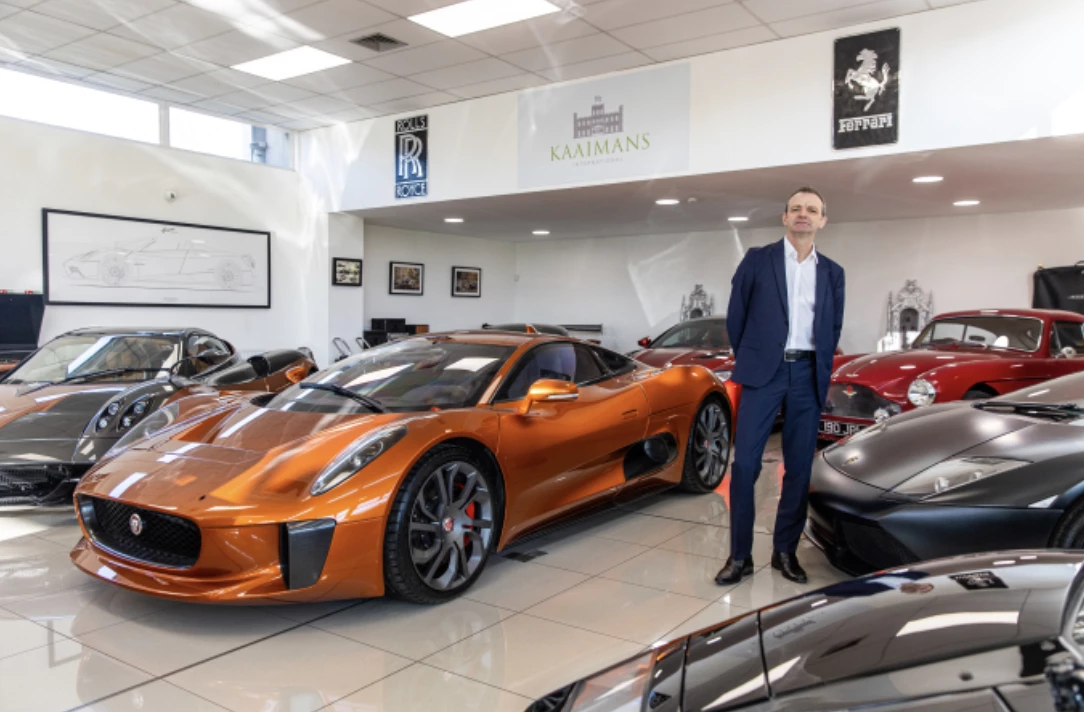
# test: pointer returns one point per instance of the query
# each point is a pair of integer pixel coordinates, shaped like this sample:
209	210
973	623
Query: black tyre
979	393
1069	534
442	527
708	452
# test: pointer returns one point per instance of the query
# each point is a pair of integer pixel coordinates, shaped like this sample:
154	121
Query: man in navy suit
784	321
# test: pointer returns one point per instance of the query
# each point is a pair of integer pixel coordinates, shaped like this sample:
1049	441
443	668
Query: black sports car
67	403
990	633
953	479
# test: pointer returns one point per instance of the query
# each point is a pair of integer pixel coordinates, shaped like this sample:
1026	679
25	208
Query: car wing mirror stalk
548	390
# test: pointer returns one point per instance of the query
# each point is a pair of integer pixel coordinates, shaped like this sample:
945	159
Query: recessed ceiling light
541	232
965	203
667	201
453	220
738	218
476	15
928	179
292	63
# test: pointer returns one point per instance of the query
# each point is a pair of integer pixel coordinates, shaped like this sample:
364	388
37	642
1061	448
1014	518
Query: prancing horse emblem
869	86
135	523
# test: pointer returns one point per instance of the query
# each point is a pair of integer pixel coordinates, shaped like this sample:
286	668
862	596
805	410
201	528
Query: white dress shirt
801	297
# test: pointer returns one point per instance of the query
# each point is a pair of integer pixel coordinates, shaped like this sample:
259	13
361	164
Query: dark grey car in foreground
989	633
958	478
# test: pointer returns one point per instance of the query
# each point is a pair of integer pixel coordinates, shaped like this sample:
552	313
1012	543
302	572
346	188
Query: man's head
805	213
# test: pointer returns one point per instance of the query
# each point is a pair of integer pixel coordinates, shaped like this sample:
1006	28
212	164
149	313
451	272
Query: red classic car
958	356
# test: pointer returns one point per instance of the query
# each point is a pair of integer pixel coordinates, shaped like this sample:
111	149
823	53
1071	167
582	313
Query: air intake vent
379	42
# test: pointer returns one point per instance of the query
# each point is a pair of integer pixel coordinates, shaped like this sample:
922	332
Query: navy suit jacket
758	321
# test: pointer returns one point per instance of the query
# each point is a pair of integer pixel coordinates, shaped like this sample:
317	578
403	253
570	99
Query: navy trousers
792	386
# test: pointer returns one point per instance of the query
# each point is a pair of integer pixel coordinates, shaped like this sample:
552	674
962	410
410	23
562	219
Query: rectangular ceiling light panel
292	63
477	15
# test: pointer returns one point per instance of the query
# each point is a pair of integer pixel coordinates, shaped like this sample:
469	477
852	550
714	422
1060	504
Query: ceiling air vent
379	42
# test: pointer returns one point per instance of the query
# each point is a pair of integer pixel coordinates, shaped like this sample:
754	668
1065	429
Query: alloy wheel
711	444
451	525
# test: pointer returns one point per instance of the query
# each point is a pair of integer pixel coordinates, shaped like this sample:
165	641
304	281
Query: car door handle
630	414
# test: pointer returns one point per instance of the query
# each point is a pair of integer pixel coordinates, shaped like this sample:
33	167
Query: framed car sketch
345	272
866	90
466	281
110	260
406	278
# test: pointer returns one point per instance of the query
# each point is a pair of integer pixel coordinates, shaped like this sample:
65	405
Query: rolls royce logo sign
135	524
412	157
866	90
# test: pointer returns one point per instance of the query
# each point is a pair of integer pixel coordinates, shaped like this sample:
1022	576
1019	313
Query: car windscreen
695	335
998	332
70	356
407	375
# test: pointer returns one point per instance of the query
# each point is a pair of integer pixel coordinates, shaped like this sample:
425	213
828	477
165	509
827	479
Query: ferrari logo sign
866	90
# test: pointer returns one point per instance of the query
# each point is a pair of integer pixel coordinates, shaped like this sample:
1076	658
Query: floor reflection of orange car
401	469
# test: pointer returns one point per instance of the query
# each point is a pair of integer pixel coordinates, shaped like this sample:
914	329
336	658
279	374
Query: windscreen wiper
1050	410
91	375
370	403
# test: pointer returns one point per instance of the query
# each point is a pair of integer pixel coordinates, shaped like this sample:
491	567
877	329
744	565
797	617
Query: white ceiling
180	50
1021	176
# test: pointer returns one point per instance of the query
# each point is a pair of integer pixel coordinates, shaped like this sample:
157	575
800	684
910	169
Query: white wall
439	253
48	167
634	285
770	104
346	305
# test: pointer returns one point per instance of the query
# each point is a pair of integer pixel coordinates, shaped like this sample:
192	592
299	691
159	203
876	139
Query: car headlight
956	472
723	374
153	423
360	453
921	392
619	688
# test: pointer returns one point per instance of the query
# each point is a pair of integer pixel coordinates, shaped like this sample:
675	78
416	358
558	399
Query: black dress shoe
733	571
787	564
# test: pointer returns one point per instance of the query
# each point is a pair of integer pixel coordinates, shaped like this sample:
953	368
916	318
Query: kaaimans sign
625	126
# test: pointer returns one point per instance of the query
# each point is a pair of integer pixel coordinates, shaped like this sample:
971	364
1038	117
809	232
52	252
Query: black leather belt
797	355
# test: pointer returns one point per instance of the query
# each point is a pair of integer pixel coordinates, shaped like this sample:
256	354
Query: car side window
1067	334
614	363
588	368
561	361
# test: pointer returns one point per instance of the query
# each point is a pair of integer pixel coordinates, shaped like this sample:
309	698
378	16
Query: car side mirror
645	342
1067	352
212	357
297	374
548	390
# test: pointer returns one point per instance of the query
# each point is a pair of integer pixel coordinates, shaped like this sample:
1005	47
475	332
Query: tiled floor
602	590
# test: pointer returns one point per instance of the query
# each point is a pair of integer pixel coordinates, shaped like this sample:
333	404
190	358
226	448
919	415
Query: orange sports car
401	469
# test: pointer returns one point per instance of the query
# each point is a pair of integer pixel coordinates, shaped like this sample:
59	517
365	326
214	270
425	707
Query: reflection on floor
588	596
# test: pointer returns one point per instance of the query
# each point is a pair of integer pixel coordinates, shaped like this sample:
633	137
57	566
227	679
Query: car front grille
873	545
38	484
165	540
847	400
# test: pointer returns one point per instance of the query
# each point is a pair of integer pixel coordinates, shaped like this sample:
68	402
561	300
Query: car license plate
836	429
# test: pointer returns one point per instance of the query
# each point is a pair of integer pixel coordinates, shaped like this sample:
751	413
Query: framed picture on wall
406	278
345	272
109	260
466	281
